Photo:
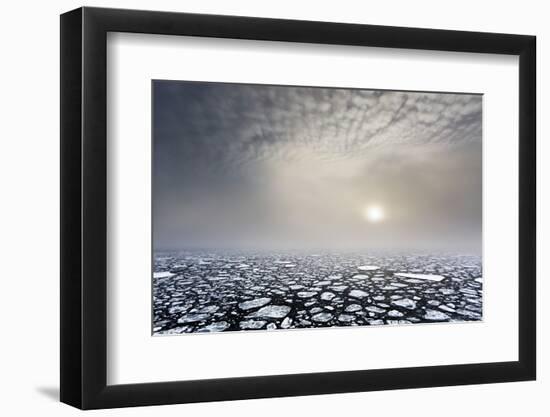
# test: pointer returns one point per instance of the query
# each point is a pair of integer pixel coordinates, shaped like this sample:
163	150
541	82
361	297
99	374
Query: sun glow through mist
374	214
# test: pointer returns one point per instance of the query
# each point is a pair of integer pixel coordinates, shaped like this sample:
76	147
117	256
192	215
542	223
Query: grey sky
273	166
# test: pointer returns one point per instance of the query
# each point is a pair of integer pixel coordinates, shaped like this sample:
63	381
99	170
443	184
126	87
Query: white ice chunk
368	268
395	313
219	326
252	324
286	323
209	309
295	287
427	277
405	303
389	288
322	317
346	318
435	315
327	296
358	294
273	312
258	302
352	308
306	294
360	276
164	274
399	322
192	318
447	308
374	309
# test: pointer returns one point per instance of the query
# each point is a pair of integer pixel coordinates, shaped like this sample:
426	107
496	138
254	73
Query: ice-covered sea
203	291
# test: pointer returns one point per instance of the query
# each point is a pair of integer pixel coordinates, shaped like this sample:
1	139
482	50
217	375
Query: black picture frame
84	207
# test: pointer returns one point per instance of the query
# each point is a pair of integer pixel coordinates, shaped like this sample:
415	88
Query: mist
277	167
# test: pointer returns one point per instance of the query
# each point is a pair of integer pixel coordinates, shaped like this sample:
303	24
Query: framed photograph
258	208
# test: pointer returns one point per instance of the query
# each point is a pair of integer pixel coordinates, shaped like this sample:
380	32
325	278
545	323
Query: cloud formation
273	164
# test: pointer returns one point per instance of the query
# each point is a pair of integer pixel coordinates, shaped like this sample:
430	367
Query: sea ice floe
272	312
219	326
258	302
177	330
322	317
374	309
468	291
352	308
163	274
435	315
252	324
405	303
306	294
296	287
368	268
395	313
428	277
327	296
447	308
193	317
358	293
346	318
469	314
218	278
209	309
287	322
398	321
414	281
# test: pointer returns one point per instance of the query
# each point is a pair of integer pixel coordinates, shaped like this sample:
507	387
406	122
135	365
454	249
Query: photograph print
289	207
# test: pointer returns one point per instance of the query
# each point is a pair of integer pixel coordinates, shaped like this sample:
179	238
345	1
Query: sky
284	167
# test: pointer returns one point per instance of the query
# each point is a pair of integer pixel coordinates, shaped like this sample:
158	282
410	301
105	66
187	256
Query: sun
374	214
